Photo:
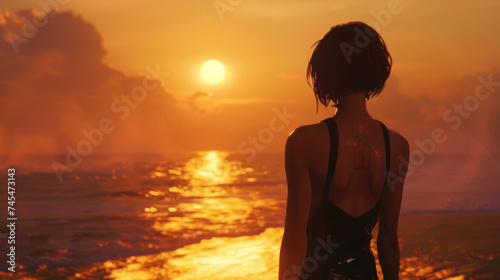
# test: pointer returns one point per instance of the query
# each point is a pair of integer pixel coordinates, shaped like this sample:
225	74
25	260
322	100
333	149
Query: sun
212	71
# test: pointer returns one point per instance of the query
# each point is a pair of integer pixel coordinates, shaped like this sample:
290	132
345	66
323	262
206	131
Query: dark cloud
56	84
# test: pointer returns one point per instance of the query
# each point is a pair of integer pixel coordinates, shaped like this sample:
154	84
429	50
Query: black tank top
338	245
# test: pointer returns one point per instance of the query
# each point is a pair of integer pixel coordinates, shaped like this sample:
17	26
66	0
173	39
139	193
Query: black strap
334	148
332	162
387	143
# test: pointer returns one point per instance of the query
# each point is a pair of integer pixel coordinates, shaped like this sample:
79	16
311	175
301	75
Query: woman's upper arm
299	186
393	192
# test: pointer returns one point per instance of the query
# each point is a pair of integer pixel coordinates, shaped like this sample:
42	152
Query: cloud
473	131
201	102
204	102
57	85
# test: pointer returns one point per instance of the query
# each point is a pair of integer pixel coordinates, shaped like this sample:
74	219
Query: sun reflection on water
207	205
224	258
210	168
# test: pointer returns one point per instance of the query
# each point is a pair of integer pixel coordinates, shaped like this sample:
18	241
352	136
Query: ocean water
214	215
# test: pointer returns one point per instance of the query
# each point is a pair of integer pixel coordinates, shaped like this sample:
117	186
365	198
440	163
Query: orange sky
67	76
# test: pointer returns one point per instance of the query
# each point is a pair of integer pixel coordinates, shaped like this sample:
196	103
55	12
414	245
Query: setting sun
212	71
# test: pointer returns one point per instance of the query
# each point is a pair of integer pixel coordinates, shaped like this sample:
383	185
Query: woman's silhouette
346	172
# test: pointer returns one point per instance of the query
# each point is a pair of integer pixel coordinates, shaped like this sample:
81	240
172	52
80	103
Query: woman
346	172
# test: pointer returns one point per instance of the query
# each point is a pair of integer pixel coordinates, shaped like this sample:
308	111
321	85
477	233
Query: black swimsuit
338	245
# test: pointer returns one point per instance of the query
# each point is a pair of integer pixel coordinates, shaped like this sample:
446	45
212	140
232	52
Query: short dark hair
351	58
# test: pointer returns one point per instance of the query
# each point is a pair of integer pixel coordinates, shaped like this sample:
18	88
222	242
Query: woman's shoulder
305	142
309	131
307	136
398	142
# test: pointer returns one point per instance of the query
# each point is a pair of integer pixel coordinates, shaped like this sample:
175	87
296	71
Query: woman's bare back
360	170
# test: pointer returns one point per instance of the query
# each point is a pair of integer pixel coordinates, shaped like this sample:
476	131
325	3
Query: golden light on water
158	174
150	209
210	168
205	169
231	222
218	216
224	258
154	193
207	204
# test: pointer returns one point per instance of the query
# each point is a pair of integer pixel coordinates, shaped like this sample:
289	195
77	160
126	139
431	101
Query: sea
218	215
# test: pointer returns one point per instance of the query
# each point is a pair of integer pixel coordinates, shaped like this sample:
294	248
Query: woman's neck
352	106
